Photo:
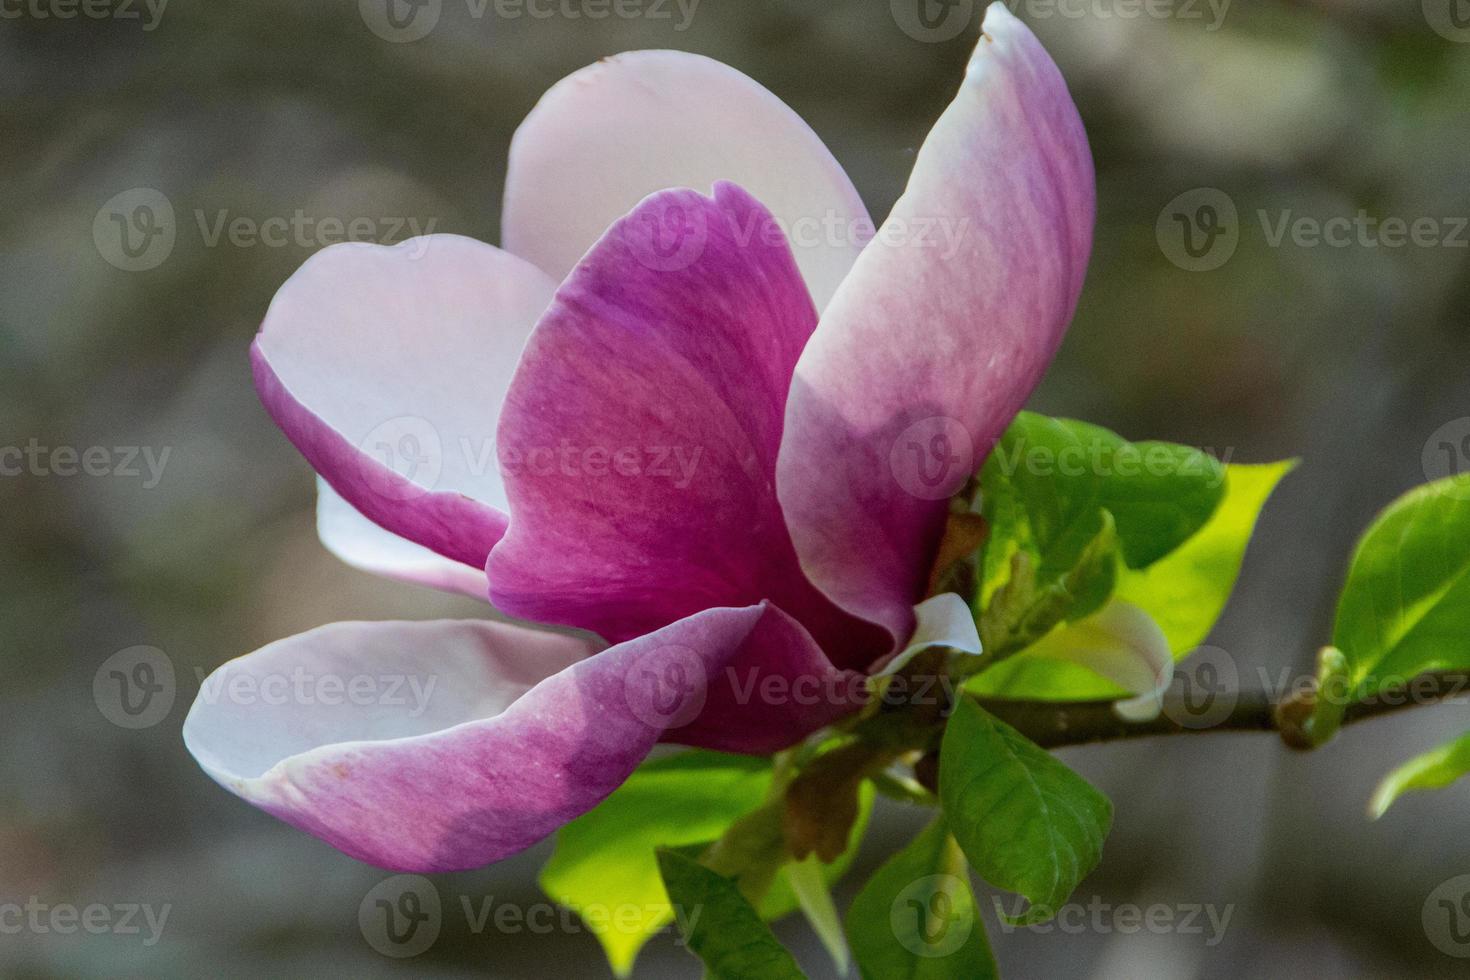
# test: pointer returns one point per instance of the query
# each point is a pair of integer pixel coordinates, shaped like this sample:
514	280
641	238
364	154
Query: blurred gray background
1350	355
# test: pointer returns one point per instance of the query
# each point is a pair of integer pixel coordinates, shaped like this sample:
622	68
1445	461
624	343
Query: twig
1058	724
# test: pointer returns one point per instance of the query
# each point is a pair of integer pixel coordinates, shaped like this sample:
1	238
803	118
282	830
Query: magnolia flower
726	426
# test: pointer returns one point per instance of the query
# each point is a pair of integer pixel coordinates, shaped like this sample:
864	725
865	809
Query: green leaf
1026	822
1047	479
720	926
916	918
1435	769
1026	608
1185	592
1405	608
604	868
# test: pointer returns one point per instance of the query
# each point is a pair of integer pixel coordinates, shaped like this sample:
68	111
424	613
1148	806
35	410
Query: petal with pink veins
609	135
639	435
440	746
941	330
386	367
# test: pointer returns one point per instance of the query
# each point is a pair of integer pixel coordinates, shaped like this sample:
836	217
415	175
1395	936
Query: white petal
607	136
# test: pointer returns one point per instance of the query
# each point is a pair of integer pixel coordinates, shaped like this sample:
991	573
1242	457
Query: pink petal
609	135
640	433
936	338
362	544
465	741
386	367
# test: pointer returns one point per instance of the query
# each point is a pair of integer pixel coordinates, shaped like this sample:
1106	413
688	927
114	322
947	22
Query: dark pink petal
386	367
940	331
777	690
440	746
639	436
607	136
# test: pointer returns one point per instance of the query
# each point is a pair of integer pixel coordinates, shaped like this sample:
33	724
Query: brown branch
1057	724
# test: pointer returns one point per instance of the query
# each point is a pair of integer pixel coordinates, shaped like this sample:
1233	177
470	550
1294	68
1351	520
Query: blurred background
1351	354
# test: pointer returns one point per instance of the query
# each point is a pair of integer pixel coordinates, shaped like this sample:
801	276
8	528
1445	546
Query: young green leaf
604	860
1184	592
1405	608
1026	822
806	881
1434	769
1046	480
1026	608
916	918
719	925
